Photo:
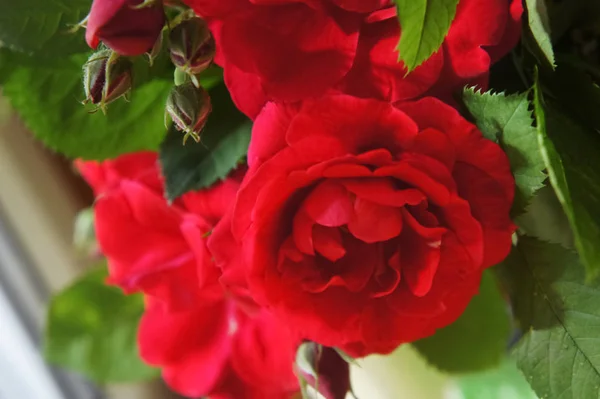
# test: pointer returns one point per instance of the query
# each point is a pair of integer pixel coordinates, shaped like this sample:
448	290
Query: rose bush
287	50
365	225
205	342
123	28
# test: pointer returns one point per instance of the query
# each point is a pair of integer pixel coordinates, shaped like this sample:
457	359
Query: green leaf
425	24
92	329
545	219
41	26
560	351
223	143
47	96
539	25
469	344
504	382
571	156
507	120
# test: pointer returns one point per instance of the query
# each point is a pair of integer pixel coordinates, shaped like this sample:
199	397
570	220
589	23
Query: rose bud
106	77
188	107
192	46
129	27
323	369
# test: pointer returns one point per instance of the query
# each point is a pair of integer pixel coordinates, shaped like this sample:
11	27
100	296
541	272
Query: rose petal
328	242
419	261
436	191
328	204
373	223
383	192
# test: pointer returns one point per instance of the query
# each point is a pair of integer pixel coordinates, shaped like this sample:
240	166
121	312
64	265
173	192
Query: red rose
287	50
205	342
333	370
122	27
363	225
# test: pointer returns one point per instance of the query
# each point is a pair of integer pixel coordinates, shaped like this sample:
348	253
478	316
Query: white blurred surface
23	374
402	374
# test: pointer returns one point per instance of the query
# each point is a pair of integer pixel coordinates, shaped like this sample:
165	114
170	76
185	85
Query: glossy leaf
425	24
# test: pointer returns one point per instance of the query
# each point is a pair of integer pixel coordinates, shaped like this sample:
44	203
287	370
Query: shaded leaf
223	143
507	120
425	24
571	156
560	351
470	344
539	25
545	219
92	329
574	91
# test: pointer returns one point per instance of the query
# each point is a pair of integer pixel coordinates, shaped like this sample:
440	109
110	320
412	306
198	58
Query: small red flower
124	28
206	342
216	350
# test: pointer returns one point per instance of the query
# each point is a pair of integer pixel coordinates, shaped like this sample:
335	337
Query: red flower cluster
205	342
367	216
288	50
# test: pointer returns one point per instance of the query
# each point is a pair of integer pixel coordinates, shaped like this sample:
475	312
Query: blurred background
40	196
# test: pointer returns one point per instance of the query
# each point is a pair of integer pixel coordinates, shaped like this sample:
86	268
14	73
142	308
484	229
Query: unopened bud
188	107
106	77
192	46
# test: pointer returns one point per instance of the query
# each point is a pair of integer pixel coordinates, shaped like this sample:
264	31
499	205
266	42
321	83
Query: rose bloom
364	225
287	50
205	342
124	29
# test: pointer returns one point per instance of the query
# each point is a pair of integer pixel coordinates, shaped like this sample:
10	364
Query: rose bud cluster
192	49
132	28
106	77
